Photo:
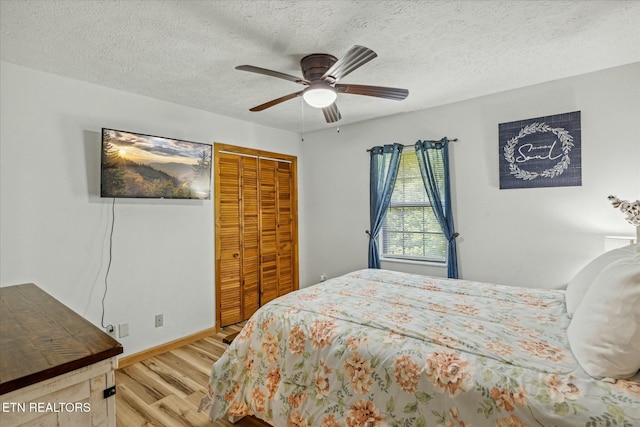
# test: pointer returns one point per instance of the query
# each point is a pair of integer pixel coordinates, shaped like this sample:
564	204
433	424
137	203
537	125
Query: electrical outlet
159	320
111	330
123	330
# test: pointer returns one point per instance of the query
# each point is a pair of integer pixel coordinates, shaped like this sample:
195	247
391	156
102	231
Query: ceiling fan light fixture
319	95
321	73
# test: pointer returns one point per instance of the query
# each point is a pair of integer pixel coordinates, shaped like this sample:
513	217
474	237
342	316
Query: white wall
54	226
525	237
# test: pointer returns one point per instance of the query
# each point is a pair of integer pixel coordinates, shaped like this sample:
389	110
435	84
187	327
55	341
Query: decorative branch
631	210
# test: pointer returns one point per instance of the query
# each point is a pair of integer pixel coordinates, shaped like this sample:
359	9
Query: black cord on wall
109	327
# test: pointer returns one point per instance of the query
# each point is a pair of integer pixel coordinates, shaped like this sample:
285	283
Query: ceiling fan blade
272	73
331	113
356	57
276	101
377	91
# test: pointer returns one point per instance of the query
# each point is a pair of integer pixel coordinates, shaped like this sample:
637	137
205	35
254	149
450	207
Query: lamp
319	95
614	242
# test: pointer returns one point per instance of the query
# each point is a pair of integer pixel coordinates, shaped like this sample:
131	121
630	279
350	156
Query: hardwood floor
164	391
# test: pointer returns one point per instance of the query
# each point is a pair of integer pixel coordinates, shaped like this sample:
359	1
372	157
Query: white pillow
604	332
579	285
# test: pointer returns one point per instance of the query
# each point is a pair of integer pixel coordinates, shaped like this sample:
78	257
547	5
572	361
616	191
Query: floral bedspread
381	348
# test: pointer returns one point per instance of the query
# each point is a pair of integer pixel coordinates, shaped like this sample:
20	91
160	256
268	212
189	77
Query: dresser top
41	338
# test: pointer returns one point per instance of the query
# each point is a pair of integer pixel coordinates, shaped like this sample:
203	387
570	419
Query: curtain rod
411	145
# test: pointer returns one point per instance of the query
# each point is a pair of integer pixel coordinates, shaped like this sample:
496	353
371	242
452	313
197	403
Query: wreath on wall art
541	152
563	136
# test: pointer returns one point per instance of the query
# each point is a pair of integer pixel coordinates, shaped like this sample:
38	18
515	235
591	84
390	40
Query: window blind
411	230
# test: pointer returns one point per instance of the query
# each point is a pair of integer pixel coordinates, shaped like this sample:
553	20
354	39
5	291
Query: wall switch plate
123	330
159	320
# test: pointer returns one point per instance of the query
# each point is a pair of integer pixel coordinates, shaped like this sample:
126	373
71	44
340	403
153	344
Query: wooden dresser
56	368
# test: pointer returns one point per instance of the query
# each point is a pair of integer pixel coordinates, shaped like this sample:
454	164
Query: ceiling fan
321	73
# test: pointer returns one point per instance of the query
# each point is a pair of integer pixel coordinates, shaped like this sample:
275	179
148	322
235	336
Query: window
411	230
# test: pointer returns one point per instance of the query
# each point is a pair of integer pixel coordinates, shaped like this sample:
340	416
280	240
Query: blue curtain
431	153
384	170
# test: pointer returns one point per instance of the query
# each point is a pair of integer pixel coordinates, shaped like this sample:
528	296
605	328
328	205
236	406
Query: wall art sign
541	152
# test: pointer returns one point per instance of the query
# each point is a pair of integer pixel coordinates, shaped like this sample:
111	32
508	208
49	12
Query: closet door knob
236	255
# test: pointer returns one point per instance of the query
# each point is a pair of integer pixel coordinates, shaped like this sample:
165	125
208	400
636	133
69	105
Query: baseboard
163	348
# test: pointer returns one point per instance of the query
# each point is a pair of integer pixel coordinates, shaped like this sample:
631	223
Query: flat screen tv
135	165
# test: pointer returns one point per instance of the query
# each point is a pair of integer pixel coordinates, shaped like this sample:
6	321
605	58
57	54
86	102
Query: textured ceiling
441	51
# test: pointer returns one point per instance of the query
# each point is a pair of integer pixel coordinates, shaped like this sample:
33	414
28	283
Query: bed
383	348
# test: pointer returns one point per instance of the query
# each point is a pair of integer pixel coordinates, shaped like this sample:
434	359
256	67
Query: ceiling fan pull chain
302	112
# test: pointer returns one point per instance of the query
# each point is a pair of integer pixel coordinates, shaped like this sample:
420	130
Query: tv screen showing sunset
145	166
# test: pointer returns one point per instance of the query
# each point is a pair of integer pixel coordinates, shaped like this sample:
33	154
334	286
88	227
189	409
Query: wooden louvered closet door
237	237
276	246
256	230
